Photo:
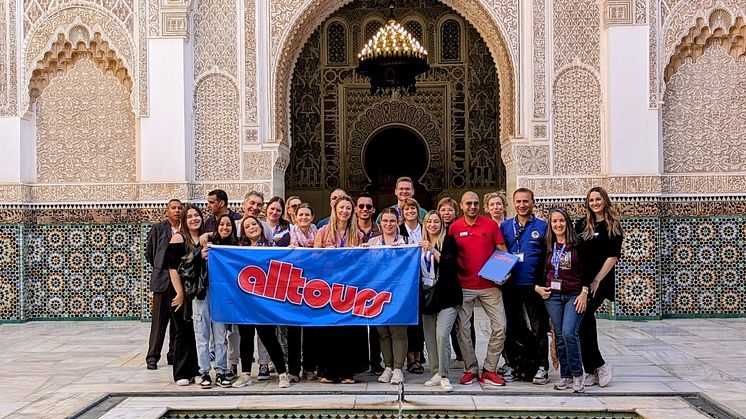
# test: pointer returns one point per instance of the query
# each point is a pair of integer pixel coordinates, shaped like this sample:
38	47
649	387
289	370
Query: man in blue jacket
525	237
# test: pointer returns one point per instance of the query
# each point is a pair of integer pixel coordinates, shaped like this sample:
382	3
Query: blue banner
314	287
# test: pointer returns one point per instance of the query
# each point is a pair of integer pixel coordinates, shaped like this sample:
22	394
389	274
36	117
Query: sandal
415	367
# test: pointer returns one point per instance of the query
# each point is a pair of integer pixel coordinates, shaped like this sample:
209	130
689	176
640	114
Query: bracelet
585	290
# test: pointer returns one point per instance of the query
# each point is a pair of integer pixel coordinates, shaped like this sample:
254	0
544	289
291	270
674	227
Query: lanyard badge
517	233
556	283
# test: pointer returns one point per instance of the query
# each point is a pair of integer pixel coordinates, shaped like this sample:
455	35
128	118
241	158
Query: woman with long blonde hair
601	238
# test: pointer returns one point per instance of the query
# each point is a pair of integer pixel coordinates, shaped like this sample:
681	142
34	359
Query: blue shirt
529	240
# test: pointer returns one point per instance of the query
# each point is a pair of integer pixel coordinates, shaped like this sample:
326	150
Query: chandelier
392	59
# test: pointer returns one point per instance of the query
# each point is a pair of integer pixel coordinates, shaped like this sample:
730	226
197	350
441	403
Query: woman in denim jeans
565	293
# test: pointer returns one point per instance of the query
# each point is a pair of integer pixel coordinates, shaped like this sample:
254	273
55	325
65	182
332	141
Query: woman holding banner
339	362
302	342
439	311
412	230
252	234
393	339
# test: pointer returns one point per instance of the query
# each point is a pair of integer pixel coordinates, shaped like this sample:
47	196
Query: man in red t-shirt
477	237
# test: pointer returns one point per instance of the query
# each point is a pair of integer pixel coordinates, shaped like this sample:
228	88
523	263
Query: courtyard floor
57	369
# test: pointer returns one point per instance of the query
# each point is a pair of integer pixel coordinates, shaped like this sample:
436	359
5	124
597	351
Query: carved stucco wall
121	22
217	143
8	60
85	128
704	115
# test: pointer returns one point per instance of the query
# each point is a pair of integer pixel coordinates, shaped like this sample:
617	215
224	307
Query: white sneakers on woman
433	382
445	384
391	376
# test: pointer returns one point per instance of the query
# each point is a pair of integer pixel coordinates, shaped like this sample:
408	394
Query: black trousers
588	334
185	346
268	335
416	337
161	317
374	346
310	344
515	297
341	357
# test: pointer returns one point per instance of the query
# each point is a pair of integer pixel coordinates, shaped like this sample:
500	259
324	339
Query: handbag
193	280
429	300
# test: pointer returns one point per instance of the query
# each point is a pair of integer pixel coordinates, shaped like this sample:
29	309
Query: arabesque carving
718	30
67	50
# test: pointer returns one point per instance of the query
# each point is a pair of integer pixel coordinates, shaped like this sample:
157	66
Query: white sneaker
604	372
578	384
198	380
591	380
183	382
445	384
385	377
563	384
397	377
433	382
284	380
243	381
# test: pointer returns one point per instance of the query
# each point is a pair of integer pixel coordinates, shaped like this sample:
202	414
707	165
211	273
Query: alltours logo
285	282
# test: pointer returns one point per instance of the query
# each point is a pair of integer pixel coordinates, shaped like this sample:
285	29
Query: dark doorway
390	154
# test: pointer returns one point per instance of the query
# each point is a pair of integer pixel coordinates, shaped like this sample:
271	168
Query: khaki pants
492	302
393	341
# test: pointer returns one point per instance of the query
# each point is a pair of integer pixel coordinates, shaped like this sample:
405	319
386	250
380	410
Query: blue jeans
566	322
203	329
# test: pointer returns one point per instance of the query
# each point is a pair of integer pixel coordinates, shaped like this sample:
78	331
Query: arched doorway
389	154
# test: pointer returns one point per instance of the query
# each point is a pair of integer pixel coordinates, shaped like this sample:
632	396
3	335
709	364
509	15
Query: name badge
556	285
520	256
463	234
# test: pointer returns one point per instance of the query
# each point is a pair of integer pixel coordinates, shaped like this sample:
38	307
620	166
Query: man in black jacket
155	251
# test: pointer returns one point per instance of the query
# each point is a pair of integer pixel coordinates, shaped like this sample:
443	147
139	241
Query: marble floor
55	369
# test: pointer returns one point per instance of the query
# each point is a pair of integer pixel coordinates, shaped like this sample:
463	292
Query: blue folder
498	266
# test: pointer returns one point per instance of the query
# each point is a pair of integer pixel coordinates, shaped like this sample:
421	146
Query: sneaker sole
491	383
540	382
468	382
262	378
241	385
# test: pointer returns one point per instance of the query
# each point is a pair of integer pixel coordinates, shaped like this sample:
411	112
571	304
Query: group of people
563	274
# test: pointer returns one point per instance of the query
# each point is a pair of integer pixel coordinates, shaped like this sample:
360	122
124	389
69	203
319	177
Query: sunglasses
472	203
365	206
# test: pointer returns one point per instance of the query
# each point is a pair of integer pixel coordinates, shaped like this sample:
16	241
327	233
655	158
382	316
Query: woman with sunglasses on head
601	239
412	230
438	266
291	208
393	339
339	362
302	342
252	234
182	243
564	289
280	227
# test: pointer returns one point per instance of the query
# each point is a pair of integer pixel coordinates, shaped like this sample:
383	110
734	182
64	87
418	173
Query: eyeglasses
295	206
365	206
472	203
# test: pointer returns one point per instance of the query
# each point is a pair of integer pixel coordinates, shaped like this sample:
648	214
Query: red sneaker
491	378
468	378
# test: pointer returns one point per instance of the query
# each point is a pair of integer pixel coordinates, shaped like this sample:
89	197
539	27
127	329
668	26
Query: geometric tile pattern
10	272
636	273
83	271
702	267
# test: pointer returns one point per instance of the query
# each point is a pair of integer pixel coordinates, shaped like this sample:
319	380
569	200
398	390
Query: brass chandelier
392	59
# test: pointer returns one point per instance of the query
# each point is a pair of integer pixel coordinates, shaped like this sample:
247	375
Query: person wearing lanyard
393	339
565	293
477	237
364	211
340	361
404	189
411	229
525	237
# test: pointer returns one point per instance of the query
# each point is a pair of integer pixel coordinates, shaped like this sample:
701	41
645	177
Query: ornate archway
313	12
387	114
